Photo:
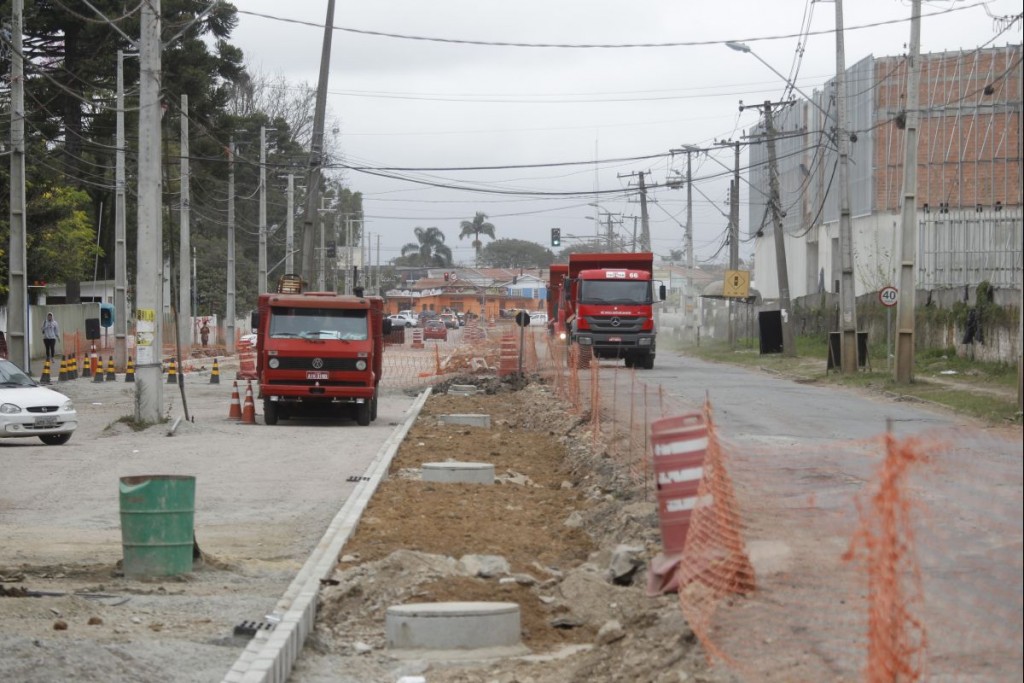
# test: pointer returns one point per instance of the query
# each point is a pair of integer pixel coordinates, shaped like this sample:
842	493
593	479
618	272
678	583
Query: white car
30	409
538	318
402	320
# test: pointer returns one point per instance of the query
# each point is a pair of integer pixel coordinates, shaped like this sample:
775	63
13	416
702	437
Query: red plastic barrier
679	445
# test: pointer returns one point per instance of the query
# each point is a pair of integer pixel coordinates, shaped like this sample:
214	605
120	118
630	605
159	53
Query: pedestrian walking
51	333
204	333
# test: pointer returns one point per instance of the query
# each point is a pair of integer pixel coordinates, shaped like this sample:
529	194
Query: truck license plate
47	421
615	339
317	374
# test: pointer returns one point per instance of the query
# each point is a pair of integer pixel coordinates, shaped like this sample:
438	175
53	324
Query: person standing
204	333
51	333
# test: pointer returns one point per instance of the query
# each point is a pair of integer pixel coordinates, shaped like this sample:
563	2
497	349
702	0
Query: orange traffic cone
235	413
249	407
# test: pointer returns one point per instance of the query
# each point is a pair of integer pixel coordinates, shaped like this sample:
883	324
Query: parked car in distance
247	340
402	320
450	320
538	318
462	318
29	409
435	329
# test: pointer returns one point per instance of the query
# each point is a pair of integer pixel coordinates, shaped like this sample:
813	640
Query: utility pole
289	253
645	224
150	269
847	296
316	148
788	345
18	322
734	231
261	278
645	230
184	246
689	310
120	229
229	301
903	369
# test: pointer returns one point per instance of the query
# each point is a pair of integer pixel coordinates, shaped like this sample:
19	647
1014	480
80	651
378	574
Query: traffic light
106	315
556	237
332	249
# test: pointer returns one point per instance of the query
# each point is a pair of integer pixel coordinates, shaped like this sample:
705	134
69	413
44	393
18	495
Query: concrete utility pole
689	309
734	232
316	151
645	223
261	284
184	239
18	322
1020	308
289	242
847	296
229	301
149	254
903	369
788	343
645	229
120	229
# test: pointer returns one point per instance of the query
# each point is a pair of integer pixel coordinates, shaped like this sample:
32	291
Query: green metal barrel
157	517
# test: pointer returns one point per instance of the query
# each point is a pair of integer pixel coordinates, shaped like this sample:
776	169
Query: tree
60	242
512	253
428	250
476	227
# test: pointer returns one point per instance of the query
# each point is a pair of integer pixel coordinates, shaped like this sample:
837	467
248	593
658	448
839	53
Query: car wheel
55	439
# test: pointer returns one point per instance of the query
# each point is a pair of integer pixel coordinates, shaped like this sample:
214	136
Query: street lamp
743	47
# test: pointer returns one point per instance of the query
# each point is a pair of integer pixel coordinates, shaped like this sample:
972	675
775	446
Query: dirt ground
556	513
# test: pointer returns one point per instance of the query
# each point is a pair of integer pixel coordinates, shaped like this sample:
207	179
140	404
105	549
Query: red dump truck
319	353
608	307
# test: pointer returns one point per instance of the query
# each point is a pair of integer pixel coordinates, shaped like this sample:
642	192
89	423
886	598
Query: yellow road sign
737	284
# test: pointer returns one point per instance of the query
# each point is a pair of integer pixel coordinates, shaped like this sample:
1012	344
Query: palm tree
476	227
429	249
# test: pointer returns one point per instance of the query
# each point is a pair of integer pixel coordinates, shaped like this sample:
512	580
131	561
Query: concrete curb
270	655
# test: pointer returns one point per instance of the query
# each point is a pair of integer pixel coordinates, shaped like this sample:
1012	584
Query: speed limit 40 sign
889	296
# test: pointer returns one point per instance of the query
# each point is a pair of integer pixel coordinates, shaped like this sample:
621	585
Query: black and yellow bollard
73	367
129	371
215	373
87	366
62	376
45	377
172	372
111	372
98	375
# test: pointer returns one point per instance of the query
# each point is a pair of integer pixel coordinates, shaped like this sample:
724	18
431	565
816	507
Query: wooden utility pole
903	369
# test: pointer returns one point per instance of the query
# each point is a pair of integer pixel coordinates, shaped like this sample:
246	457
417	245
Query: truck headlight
360	365
585	341
274	363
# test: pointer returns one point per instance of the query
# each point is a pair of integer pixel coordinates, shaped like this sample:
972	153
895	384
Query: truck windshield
615	292
318	323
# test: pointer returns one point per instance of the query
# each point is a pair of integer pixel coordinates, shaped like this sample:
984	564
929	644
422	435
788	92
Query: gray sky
432	104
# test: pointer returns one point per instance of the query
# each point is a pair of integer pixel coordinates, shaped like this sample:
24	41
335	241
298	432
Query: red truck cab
609	306
319	352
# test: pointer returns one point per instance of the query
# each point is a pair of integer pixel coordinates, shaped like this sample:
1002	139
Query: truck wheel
363	413
649	361
269	412
583	356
